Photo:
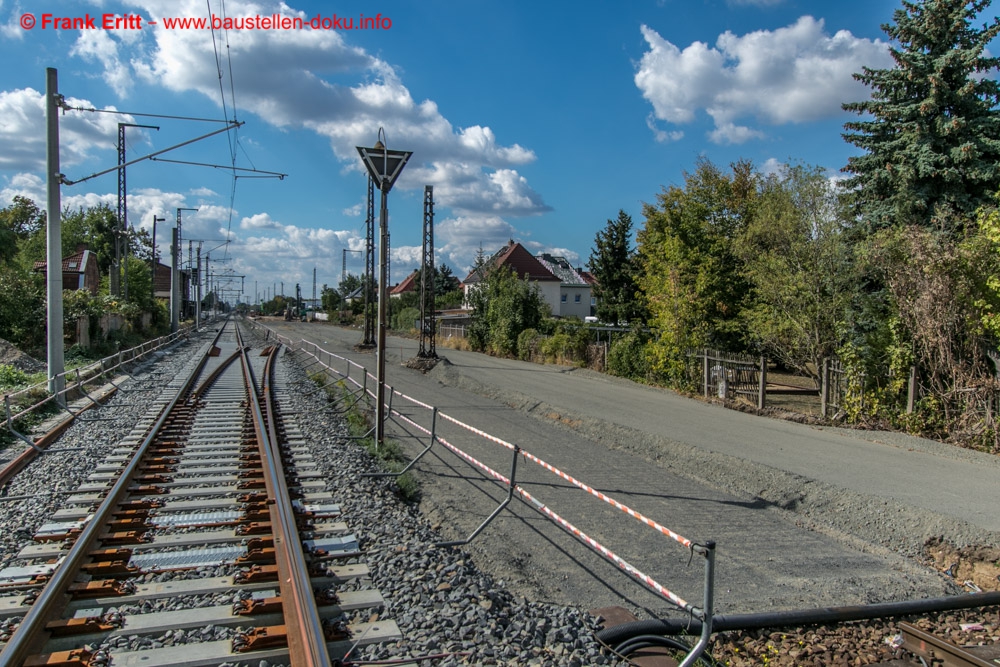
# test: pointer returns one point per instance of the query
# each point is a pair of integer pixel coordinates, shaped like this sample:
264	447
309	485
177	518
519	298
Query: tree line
22	289
893	266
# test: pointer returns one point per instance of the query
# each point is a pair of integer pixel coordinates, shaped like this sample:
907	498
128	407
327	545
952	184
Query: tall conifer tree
931	130
615	267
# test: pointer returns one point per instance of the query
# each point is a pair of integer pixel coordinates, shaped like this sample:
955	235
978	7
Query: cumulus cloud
97	46
25	185
314	79
793	74
22	133
468	190
260	221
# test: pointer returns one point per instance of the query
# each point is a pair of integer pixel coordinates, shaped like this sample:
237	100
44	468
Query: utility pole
175	281
368	281
121	233
180	246
153	262
53	236
198	303
428	347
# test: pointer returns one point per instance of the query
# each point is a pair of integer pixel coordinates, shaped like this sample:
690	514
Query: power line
142	115
270	174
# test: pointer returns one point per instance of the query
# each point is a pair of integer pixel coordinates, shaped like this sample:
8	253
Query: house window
563	298
576	298
593	301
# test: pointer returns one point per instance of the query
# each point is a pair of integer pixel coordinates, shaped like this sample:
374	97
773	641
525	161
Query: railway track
190	552
211	520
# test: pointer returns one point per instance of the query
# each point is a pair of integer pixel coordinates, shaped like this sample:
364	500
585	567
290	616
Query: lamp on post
384	166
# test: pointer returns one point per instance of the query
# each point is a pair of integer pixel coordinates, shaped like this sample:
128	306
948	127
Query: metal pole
368	280
53	236
762	384
175	283
197	307
383	259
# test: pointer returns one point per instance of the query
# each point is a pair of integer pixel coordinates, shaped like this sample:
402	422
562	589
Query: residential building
566	291
409	284
79	270
574	289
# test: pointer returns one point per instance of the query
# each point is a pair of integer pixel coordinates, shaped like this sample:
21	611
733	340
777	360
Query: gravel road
802	516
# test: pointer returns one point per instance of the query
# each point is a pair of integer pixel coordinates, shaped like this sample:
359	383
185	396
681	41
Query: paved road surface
856	499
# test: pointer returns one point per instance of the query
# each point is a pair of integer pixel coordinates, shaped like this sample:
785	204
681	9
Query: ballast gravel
449	612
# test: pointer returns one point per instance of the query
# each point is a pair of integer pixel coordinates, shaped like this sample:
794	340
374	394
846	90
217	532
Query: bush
627	357
12	377
404	319
527	344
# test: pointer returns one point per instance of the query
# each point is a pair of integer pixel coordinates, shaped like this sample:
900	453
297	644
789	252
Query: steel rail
27	639
306	640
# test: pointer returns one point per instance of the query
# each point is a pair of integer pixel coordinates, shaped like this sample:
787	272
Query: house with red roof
79	270
566	291
409	284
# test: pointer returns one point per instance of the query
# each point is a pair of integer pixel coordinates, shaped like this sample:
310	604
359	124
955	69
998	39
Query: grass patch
359	423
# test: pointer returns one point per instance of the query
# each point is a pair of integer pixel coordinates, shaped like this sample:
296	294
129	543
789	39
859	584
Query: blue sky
533	121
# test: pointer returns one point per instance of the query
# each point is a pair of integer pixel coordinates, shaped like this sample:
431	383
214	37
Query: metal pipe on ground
793	618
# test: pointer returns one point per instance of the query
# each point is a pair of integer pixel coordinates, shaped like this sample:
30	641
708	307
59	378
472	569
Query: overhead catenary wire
269	174
67	107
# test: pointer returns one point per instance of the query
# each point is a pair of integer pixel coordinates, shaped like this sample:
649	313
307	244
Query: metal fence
360	386
729	375
446	331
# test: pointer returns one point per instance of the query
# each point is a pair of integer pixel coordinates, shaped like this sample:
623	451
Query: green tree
691	274
95	226
444	280
797	259
931	136
19	222
22	307
503	306
615	266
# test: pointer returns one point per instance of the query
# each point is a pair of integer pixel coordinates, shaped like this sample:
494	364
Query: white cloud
313	79
98	46
458	239
468	190
22	133
26	185
662	136
793	74
772	166
405	259
728	133
12	29
260	221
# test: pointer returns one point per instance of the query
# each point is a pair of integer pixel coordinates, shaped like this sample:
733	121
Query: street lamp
384	166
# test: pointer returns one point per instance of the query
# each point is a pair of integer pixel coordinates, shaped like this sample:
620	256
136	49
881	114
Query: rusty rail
306	644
